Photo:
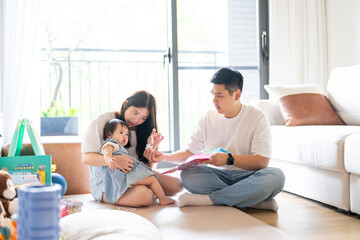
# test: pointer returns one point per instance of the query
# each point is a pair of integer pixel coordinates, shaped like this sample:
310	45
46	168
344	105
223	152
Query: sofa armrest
352	153
271	110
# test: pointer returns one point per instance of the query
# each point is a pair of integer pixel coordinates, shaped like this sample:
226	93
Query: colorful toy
7	229
7	226
8	193
42	174
57	178
63	211
38	216
71	205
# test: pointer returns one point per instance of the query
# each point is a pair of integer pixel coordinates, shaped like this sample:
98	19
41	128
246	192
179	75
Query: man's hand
155	139
217	159
154	156
123	162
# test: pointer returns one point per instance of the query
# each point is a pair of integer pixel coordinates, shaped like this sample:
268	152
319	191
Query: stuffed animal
8	193
8	229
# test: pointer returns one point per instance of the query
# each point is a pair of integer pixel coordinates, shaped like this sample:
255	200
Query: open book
195	160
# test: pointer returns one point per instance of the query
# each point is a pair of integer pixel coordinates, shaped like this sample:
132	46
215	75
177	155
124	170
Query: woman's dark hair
231	78
110	128
141	99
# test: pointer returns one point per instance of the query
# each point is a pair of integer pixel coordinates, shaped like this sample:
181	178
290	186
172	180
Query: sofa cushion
352	153
271	110
318	146
68	160
343	92
308	109
278	91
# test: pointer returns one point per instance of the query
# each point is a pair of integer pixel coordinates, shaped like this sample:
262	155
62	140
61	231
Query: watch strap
230	160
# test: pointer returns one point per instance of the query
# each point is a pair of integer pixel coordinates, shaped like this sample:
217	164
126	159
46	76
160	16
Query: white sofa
322	162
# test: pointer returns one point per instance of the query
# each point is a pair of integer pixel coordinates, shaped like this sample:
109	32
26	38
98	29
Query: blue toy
39	208
58	179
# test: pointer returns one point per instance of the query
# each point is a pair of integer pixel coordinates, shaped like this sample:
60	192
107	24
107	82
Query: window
222	34
96	53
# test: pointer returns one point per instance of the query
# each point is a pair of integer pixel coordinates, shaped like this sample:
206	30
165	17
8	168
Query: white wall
343	30
1	56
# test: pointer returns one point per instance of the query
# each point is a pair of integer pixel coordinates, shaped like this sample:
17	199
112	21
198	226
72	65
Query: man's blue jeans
234	188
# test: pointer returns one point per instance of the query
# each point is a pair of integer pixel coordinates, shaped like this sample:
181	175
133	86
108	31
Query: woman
139	113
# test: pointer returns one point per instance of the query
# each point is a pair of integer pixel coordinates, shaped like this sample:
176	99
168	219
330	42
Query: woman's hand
154	156
111	162
123	162
155	138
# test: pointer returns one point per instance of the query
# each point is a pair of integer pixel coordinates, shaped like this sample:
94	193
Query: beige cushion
107	224
308	109
271	110
278	91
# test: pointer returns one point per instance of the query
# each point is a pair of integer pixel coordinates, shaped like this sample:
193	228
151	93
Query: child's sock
267	205
188	199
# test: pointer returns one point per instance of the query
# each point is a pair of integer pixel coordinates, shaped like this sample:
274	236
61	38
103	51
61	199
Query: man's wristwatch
230	160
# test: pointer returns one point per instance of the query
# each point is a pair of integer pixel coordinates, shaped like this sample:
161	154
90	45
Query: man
239	178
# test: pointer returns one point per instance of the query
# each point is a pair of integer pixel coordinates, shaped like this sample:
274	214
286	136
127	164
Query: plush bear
8	193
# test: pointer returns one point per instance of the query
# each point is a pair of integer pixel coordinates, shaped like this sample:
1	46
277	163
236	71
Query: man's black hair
231	78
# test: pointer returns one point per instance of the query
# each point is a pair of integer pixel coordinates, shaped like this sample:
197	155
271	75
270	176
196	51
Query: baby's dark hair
110	127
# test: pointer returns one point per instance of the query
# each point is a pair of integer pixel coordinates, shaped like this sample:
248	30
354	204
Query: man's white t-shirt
93	137
248	133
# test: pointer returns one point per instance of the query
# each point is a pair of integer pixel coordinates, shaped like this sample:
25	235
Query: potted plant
59	121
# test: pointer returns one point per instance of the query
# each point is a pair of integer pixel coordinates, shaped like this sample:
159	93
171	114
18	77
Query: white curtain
298	42
19	90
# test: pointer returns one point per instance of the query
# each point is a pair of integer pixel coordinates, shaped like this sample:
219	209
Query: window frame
263	26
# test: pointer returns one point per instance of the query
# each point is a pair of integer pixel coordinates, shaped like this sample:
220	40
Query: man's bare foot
166	201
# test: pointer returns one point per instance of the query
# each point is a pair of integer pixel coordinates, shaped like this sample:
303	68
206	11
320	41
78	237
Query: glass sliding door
97	53
213	34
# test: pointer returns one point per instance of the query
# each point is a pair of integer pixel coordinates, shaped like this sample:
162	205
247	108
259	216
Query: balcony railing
98	80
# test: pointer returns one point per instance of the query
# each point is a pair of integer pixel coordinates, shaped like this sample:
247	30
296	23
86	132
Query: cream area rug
194	222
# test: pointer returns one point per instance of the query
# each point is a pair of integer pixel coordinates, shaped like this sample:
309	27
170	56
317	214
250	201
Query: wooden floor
307	220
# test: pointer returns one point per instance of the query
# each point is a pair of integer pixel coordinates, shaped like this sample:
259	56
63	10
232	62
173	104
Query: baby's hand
155	139
111	163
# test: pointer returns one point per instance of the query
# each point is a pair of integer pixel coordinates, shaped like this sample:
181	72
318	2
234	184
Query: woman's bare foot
166	201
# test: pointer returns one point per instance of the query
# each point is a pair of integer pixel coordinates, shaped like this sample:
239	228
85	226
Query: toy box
23	168
39	164
72	205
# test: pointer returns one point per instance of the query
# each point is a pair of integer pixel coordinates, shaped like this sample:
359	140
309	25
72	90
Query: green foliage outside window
56	111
